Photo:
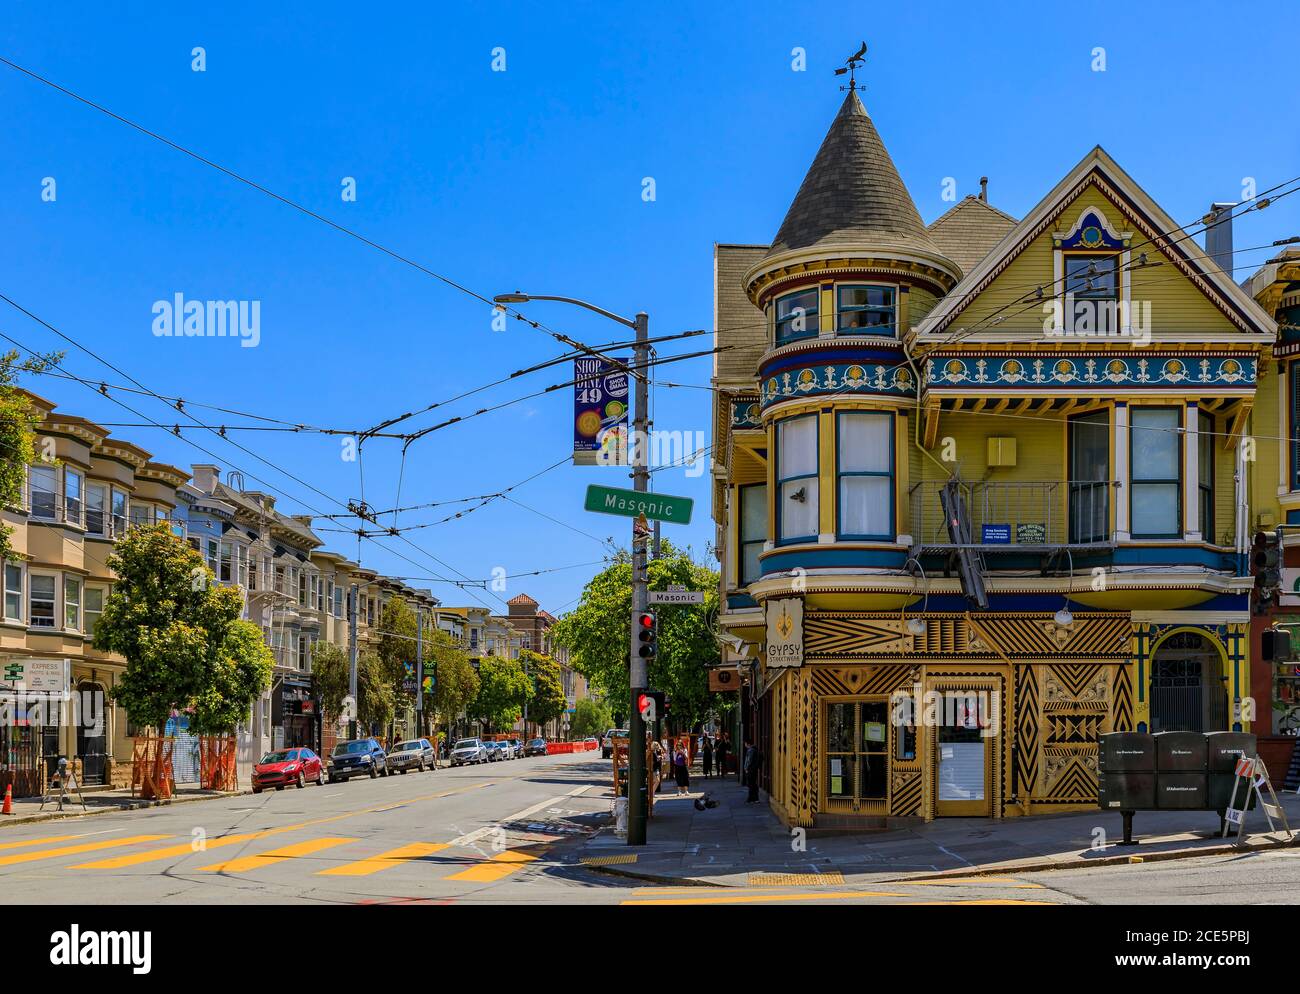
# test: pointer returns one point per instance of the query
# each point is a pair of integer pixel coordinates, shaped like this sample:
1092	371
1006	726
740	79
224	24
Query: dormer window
1092	277
796	316
865	310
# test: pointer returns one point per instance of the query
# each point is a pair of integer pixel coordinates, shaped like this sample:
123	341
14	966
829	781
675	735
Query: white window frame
71	584
10	592
53	600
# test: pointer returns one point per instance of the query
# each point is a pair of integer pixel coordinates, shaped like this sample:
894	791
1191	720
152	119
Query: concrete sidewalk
99	801
739	845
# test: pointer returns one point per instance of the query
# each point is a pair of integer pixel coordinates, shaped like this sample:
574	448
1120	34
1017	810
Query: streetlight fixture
636	795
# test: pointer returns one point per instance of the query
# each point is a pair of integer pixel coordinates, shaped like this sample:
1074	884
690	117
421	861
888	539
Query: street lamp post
639	455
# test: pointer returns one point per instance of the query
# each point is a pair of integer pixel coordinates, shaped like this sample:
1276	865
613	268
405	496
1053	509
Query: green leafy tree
18	422
177	631
240	675
397	639
590	717
331	674
596	633
503	689
456	684
547	700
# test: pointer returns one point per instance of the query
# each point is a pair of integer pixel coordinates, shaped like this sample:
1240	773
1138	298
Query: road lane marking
185	849
38	842
385	860
469	838
29	857
756	898
245	863
493	869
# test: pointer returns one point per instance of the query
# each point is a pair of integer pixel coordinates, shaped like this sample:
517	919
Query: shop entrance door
965	749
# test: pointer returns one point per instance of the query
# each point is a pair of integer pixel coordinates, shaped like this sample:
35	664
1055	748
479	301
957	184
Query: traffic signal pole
636	793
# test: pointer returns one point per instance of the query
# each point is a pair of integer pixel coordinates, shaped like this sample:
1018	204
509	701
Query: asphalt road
506	833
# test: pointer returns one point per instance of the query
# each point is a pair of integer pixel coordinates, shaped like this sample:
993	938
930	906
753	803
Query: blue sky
532	178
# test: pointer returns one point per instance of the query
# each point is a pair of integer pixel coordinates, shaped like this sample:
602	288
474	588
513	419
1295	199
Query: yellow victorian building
979	488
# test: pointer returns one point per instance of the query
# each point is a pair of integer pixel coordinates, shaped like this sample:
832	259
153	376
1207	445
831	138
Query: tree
240	675
546	700
456	684
503	689
397	626
331	673
177	631
18	423
596	633
590	717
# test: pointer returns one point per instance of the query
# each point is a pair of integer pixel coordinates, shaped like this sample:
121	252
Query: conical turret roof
853	195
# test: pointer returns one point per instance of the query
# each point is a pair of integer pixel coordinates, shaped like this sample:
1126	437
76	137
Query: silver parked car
413	754
467	751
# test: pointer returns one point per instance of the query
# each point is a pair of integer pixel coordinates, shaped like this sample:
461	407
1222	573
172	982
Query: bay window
865	465
1205	474
753	529
96	498
1156	490
71	603
72	495
94	607
119	513
13	592
141	514
796	316
865	310
796	479
42	488
40	603
227	574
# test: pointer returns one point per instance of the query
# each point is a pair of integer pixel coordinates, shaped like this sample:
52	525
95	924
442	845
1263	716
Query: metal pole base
1128	830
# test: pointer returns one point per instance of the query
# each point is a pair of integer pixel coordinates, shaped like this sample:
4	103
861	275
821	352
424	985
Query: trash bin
1126	779
1180	752
1224	749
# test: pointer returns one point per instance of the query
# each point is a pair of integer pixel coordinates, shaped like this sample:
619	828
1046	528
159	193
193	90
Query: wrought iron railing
1014	515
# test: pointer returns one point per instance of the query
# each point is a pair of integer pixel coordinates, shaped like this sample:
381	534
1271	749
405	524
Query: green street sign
630	504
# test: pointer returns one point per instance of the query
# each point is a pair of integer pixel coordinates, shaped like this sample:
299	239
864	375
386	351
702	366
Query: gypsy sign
784	632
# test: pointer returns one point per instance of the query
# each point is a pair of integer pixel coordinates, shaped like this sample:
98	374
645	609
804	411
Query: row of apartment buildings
86	491
986	488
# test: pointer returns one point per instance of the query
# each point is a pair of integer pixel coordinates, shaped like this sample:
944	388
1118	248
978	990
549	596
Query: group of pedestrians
673	759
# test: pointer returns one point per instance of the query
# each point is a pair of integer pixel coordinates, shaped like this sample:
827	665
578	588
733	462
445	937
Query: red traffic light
646	620
642	702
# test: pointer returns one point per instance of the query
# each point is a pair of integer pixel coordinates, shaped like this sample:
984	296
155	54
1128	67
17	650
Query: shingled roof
969	230
852	194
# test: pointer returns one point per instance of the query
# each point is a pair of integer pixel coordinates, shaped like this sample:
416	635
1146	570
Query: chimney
1218	236
206	476
984	189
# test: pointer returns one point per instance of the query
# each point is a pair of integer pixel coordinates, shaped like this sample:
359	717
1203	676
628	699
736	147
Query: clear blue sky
532	178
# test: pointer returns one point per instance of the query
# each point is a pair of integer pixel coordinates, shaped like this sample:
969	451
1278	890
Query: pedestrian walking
707	754
720	754
656	765
752	763
682	769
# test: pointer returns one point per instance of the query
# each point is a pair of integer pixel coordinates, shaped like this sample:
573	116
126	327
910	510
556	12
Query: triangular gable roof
1150	223
969	229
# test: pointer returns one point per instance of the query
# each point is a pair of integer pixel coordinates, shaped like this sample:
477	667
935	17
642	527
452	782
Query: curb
653	878
114	809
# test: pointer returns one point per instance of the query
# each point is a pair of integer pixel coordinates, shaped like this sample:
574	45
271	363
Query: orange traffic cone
8	808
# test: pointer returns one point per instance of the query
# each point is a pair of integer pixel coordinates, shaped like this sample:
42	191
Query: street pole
352	654
419	671
636	794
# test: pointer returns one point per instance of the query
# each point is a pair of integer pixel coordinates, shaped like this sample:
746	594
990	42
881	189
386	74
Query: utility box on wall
1002	451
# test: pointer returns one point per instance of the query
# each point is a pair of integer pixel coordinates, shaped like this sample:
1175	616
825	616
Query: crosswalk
251	853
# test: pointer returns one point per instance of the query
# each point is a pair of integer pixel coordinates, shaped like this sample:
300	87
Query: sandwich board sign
1255	772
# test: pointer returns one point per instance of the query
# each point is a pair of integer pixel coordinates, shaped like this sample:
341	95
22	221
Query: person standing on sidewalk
721	754
682	769
707	752
753	760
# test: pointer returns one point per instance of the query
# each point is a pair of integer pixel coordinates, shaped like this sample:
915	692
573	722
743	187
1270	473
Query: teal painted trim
1172	555
1100	370
824	558
740	601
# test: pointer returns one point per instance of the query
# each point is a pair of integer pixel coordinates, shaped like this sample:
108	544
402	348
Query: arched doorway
1189	691
92	740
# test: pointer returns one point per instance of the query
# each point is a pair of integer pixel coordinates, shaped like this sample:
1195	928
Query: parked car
517	748
356	758
607	743
414	754
467	751
287	766
496	752
535	747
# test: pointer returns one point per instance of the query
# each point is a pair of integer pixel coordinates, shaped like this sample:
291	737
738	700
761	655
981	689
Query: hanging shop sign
784	632
600	413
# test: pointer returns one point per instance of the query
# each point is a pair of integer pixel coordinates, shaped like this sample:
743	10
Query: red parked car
288	766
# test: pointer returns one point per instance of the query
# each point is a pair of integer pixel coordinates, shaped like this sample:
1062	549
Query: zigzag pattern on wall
1026	728
1090	635
842	681
1069	776
840	635
1122	712
906	794
1073	729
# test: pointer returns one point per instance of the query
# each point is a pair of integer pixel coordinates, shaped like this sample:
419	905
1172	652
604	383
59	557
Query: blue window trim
741	542
810	315
1205	488
778	480
860	332
840	475
1134	482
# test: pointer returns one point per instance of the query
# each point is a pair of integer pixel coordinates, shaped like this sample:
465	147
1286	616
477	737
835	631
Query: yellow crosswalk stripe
394	857
39	842
226	840
245	863
28	857
759	898
500	865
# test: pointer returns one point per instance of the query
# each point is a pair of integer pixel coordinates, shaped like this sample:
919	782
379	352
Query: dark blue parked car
359	757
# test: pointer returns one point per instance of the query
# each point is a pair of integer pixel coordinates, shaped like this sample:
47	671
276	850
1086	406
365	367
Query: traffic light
1266	561
647	634
646	705
1275	645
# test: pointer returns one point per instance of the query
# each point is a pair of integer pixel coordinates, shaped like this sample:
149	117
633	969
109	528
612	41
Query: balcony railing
1023	516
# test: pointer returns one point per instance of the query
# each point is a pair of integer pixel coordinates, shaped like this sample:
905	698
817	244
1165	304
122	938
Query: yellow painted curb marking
757	898
608	860
245	863
29	857
385	860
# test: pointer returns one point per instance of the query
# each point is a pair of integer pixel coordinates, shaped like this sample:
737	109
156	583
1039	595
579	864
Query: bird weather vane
851	66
